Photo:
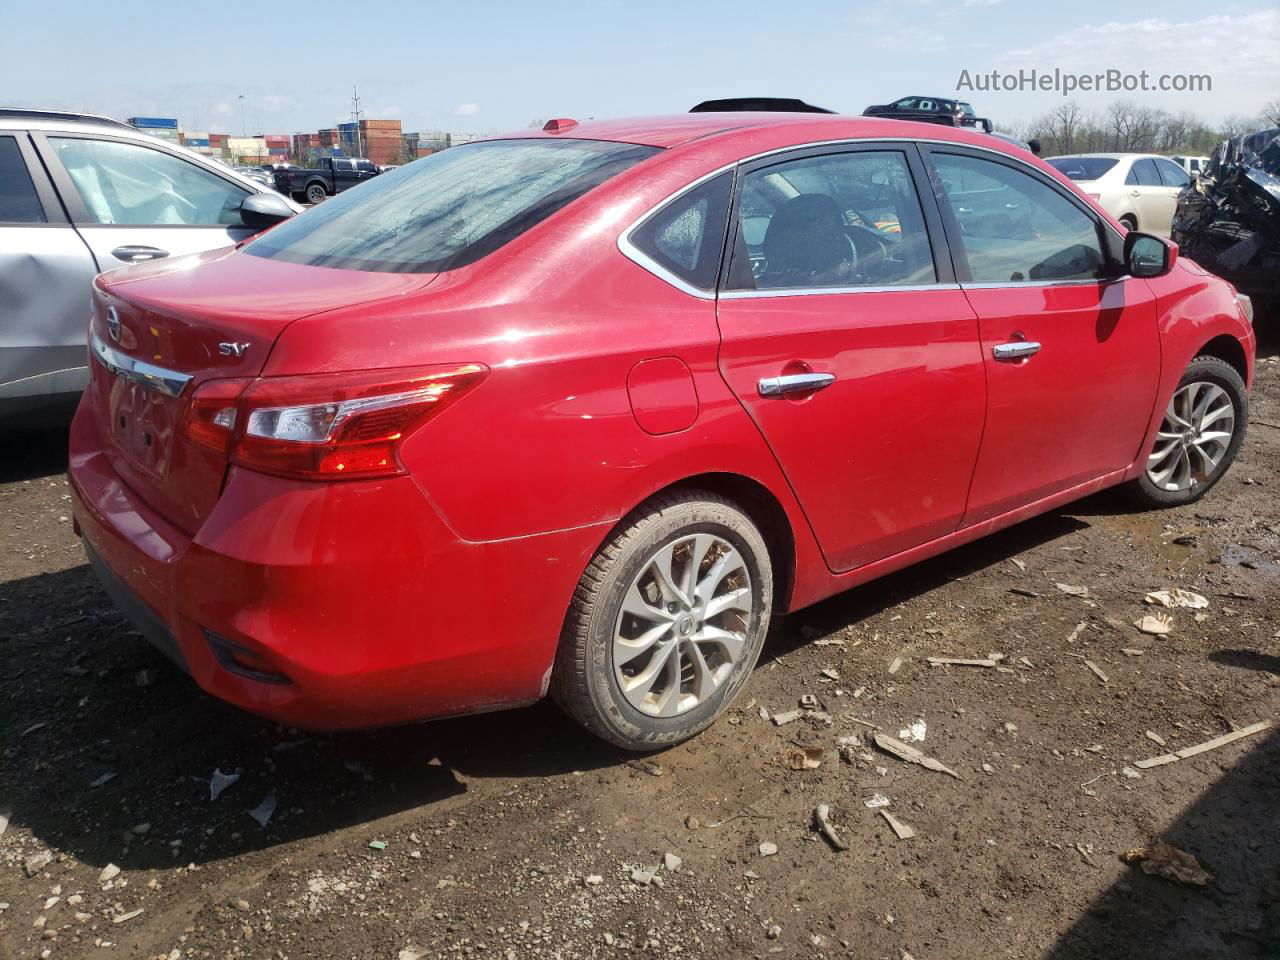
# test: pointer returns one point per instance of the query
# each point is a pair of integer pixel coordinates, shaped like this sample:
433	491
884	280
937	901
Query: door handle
794	383
1016	350
1135	193
135	253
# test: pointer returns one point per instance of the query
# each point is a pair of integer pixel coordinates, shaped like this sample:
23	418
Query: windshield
449	209
1082	168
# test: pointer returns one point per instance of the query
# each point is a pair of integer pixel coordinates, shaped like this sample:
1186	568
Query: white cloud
467	109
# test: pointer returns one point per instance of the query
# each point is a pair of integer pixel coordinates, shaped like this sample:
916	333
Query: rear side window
1082	168
833	220
18	200
1014	228
686	236
449	209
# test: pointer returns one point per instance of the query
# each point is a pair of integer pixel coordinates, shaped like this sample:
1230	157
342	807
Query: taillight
211	414
324	426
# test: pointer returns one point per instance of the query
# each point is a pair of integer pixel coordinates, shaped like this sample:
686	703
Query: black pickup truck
330	175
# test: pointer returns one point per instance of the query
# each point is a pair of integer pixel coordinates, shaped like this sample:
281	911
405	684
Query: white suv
80	195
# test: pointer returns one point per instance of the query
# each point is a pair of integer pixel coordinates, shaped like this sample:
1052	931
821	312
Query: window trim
943	267
79	214
54	215
1108	238
637	256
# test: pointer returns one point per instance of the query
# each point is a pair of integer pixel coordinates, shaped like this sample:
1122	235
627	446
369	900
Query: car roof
685	128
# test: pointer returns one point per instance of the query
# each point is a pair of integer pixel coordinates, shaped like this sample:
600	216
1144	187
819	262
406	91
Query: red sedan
577	412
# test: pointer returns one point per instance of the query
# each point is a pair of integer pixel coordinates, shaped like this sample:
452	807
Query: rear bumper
330	606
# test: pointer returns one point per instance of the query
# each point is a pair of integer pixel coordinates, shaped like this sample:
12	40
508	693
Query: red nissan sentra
578	411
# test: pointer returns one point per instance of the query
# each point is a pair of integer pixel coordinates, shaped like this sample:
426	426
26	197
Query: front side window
449	209
18	200
835	220
686	237
1143	173
123	183
1171	174
1015	228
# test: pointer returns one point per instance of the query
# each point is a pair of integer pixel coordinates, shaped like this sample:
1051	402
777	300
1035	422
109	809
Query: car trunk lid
160	332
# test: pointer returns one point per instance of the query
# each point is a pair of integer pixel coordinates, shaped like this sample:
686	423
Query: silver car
80	195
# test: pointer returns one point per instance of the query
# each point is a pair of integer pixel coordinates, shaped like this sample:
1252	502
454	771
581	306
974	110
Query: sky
480	66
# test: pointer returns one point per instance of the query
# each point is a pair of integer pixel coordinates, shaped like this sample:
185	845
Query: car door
848	342
1147	193
1173	178
133	202
45	270
1071	347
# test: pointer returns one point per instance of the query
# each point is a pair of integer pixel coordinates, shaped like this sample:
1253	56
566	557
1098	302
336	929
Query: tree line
1127	127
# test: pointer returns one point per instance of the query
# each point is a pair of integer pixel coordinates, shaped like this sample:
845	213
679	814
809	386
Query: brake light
324	426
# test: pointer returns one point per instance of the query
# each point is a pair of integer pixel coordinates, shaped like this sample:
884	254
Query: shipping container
140	122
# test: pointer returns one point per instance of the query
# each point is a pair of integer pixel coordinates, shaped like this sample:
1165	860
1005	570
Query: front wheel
667	622
1199	436
316	193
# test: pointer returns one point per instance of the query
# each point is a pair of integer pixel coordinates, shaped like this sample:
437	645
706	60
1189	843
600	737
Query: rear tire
1190	453
652	678
1130	222
316	193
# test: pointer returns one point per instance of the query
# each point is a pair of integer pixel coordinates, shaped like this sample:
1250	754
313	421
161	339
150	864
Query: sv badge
232	349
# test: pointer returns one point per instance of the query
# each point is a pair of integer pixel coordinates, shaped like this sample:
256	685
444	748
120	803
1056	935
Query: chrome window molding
813	291
169	382
1000	285
643	260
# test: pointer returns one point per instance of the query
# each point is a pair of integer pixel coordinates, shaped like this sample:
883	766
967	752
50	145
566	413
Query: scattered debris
1071	637
768	849
829	674
822	819
643	875
1155	738
648	766
850	718
5	817
33	728
1023	592
1072	591
1208	745
774	932
896	665
102	780
127	916
991	661
1130	773
809	702
903	831
1177	597
412	953
1086	854
219	782
377	844
1165	860
1132	651
848	747
1156	624
780	718
876	801
263	811
672	862
1097	671
807	758
692	822
593	879
1020	564
37	862
109	873
911	755
914	733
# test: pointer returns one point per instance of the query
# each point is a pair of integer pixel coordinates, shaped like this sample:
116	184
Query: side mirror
262	210
1148	256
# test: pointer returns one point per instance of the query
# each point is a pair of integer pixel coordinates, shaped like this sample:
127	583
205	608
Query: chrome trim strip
814	291
645	262
1042	283
169	382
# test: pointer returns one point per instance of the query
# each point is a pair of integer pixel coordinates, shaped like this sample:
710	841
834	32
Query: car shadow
29	454
100	736
1234	832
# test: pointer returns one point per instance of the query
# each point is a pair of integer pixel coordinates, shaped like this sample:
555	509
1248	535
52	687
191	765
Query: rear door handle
794	383
1016	350
134	253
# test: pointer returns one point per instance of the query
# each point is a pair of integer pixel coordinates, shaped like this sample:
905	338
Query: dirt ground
516	835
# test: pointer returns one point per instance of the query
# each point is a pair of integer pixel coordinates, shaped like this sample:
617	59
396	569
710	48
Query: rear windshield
449	209
1082	168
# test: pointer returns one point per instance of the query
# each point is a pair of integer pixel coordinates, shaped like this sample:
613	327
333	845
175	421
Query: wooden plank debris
1200	748
911	755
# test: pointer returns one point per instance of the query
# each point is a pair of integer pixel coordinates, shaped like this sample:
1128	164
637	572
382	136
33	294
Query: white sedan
1138	189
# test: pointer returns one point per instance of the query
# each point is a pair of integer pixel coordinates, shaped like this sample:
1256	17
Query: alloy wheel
1193	437
683	625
